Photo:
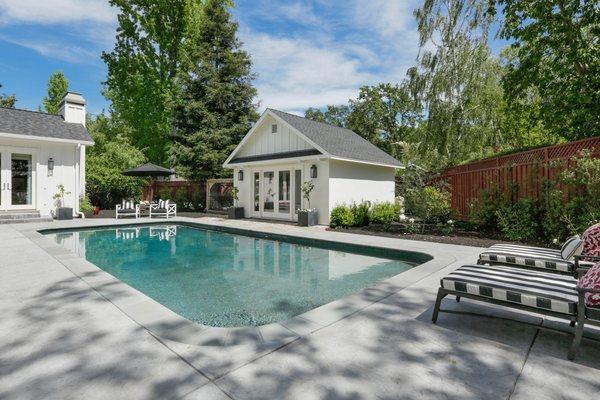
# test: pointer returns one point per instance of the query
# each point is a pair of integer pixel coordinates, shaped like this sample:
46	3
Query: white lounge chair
127	208
164	208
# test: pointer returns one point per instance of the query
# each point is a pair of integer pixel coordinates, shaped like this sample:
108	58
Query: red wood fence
526	171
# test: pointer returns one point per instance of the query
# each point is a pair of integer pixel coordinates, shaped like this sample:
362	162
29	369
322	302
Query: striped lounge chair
514	287
127	208
539	258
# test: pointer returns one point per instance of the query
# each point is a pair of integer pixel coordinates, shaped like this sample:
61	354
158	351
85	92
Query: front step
25	220
17	217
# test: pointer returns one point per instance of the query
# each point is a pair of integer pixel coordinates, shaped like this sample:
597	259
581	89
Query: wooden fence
526	171
210	195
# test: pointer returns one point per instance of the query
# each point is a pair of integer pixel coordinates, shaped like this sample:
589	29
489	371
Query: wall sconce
241	175
50	166
313	171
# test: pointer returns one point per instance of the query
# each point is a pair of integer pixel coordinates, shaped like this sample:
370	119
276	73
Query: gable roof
338	142
39	124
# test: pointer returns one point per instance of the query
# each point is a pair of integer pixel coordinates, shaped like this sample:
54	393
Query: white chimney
72	108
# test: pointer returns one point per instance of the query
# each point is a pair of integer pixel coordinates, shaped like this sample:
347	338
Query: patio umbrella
148	169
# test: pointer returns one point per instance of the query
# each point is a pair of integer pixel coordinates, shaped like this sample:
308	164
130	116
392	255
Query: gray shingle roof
339	142
33	123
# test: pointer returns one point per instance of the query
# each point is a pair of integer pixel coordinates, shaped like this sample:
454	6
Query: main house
283	150
40	151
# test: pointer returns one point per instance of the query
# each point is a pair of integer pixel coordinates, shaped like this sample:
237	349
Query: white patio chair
127	208
164	208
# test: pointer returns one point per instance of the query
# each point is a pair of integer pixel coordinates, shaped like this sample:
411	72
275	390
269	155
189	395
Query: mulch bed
465	238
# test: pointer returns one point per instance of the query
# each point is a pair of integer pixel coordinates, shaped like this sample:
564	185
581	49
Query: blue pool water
223	279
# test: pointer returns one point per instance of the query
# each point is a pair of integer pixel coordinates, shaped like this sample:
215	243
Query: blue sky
305	53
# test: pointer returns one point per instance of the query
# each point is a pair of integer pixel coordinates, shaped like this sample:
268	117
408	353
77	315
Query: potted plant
62	212
308	216
235	212
85	206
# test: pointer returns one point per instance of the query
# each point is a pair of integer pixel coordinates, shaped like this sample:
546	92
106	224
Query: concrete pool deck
68	331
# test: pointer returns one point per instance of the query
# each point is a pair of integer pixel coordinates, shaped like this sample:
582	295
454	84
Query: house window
274	128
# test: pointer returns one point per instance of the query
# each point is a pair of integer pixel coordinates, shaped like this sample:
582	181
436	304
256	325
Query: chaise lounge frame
584	315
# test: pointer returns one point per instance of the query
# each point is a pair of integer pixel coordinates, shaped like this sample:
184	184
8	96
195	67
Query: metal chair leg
579	328
441	294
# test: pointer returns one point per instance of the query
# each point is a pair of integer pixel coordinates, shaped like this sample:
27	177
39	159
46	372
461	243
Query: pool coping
166	324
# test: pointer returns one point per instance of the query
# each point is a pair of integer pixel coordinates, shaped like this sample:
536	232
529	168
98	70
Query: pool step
16	217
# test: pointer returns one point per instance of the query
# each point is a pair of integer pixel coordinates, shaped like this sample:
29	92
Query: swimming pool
227	279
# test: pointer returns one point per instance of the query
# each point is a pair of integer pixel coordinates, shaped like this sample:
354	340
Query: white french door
275	193
17	178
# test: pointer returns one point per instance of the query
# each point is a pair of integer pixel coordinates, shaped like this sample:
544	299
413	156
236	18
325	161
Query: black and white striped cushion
163	204
541	290
127	205
533	257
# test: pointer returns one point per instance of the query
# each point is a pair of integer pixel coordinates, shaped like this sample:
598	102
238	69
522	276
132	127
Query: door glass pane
256	191
21	179
269	191
284	191
297	191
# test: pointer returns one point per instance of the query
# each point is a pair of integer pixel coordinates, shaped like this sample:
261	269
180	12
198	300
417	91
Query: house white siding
263	141
69	170
351	182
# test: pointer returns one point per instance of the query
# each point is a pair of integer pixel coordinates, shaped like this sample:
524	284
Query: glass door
17	179
269	192
297	192
284	201
21	182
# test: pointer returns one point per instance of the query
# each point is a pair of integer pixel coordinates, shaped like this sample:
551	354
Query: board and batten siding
352	182
265	142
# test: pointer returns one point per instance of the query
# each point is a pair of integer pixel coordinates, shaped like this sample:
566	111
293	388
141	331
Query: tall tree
7	100
456	79
333	115
386	115
215	109
58	85
153	38
557	49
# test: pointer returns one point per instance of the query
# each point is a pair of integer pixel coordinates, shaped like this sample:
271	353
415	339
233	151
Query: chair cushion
572	247
536	289
159	210
127	211
591	241
532	257
591	280
127	205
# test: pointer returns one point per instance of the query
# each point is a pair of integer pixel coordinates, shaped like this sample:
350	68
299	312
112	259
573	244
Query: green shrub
85	205
519	221
341	216
483	209
431	204
385	214
360	214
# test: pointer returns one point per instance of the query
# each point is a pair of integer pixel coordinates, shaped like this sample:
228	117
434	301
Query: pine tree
58	85
215	107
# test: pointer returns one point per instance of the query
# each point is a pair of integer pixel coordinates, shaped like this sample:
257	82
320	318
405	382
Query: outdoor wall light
313	171
50	166
240	175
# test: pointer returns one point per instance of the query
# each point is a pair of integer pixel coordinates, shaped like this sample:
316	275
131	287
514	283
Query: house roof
338	142
39	124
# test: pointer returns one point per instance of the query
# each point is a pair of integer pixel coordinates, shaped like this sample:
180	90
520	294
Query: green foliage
59	196
234	193
483	209
519	221
457	80
333	115
386	115
361	213
58	85
385	213
431	204
557	54
85	205
341	217
111	154
215	104
7	101
306	188
153	39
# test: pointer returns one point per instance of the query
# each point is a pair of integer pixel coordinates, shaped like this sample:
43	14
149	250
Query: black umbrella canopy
148	169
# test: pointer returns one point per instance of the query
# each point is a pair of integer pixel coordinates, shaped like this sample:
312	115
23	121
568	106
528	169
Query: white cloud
55	11
387	18
57	50
296	73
